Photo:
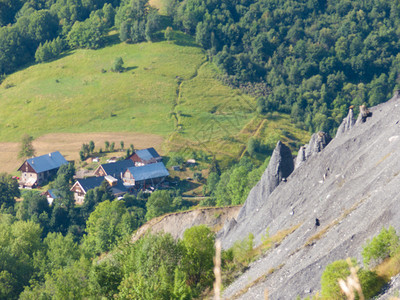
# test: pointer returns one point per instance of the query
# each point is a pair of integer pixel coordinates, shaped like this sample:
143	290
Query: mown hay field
69	145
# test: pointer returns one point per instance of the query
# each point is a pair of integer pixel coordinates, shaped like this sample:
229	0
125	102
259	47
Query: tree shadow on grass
32	63
186	115
127	69
181	39
111	39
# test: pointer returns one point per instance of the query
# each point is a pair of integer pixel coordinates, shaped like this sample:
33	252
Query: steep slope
177	223
353	188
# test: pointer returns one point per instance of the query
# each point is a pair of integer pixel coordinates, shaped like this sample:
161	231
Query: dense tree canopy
33	24
314	58
106	225
8	190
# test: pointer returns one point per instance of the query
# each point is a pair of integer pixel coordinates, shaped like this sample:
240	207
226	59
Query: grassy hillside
168	89
217	119
72	94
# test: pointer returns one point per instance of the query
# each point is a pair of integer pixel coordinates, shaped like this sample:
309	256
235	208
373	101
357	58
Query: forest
311	59
64	251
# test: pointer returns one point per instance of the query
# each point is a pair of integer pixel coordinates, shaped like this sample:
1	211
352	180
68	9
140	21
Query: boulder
363	115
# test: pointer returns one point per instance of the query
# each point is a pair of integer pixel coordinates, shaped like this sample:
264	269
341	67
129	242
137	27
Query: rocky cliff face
279	168
347	124
317	143
352	185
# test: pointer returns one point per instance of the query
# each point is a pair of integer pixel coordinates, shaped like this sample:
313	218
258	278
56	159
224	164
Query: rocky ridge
351	185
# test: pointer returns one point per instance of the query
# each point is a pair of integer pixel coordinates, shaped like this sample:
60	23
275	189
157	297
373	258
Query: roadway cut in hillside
69	145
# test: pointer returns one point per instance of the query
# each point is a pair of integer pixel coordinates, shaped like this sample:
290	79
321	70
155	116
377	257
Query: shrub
253	146
210	201
197	176
176	160
384	245
370	282
118	65
242	250
330	288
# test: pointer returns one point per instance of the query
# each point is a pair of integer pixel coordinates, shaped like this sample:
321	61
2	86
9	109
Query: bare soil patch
156	3
69	145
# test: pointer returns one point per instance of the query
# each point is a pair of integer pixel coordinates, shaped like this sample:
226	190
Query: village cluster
142	170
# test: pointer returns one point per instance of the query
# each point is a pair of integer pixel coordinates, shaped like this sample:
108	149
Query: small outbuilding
82	186
50	196
145	157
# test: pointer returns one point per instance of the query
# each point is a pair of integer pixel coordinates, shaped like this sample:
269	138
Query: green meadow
167	88
79	93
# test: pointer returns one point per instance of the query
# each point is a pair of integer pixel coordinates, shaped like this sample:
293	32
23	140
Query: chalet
140	177
82	186
114	169
145	156
36	170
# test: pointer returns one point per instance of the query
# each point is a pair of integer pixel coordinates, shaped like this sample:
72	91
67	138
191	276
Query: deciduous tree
8	190
27	149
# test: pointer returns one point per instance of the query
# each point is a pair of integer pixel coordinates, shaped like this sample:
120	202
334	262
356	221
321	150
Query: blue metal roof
119	188
94	182
150	171
90	182
147	154
47	162
52	195
115	169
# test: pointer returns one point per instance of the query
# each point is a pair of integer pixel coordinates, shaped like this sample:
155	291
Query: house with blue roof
82	186
115	169
147	175
36	170
145	156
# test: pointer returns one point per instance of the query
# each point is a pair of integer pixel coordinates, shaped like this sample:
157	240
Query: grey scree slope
354	181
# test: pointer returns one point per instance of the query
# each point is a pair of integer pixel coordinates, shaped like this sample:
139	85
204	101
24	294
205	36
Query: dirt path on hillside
69	145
